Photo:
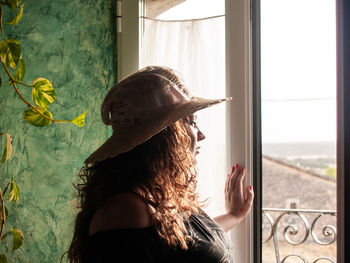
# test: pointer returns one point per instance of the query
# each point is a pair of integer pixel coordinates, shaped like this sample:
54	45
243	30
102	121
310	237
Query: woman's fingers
227	182
235	182
250	196
231	178
234	171
245	191
239	183
238	197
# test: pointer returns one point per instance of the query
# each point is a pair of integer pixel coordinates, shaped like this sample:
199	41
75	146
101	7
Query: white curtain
196	49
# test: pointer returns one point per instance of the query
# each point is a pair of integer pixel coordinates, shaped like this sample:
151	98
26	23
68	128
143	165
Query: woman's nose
200	135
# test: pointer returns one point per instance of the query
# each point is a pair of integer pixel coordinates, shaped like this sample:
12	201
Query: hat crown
142	95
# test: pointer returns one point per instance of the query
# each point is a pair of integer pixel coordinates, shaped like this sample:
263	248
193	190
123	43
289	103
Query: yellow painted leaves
17	17
35	118
7	148
10	52
43	92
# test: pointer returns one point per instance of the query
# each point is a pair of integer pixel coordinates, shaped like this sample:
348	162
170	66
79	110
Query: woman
138	195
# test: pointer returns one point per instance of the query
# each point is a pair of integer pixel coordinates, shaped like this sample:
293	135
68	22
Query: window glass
298	73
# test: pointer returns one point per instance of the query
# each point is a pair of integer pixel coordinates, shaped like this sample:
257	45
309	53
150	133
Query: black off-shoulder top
209	244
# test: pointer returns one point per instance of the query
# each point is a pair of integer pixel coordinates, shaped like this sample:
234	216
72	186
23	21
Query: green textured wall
71	43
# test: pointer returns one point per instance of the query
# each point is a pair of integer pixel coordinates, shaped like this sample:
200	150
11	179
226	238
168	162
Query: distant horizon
321	149
296	142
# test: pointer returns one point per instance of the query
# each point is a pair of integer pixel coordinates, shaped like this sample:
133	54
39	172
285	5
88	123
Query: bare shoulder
124	210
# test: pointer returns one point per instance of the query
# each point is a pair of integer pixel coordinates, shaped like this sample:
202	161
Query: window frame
343	125
128	45
257	144
240	136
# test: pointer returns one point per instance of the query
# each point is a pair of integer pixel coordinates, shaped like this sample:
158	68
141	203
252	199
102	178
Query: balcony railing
299	226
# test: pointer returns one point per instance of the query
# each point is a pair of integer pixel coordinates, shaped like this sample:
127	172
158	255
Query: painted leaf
17	17
6	214
8	148
36	119
4	49
15	52
3	258
13	195
13	4
43	92
10	52
20	71
18	238
80	120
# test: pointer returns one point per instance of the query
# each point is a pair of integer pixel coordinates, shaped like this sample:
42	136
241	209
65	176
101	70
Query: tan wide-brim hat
143	104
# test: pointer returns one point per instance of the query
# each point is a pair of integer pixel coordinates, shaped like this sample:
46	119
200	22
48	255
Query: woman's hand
238	197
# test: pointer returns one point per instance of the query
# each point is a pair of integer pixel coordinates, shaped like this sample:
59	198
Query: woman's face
193	132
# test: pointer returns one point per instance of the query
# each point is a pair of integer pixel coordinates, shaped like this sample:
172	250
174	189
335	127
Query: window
237	85
243	83
298	86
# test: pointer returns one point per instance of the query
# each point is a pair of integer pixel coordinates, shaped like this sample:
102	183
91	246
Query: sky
298	65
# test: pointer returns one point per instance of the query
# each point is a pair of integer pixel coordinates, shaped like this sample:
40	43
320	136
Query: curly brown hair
164	178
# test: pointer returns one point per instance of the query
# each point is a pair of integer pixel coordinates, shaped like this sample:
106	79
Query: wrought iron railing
291	228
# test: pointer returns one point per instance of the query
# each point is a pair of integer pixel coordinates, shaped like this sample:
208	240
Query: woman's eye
193	123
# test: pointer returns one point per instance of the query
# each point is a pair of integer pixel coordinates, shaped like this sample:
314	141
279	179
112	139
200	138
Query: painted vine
37	113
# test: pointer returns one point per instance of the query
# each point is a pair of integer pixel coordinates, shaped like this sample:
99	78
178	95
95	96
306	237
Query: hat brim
126	140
